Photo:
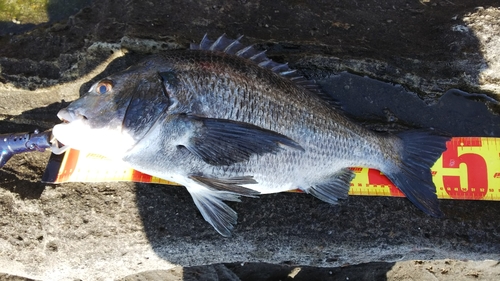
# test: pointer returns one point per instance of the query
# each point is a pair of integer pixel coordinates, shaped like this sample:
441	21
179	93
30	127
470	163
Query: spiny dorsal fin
234	47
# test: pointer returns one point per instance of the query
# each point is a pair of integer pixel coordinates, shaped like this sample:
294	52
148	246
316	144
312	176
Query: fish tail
419	150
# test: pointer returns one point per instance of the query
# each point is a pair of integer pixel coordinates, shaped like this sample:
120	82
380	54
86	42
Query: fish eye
103	87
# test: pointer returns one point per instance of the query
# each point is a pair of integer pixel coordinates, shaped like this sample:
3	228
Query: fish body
225	121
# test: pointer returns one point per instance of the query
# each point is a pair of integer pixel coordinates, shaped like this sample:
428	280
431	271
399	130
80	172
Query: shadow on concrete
258	271
268	272
384	106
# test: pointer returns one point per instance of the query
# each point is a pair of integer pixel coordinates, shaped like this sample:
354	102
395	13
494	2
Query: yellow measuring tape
468	169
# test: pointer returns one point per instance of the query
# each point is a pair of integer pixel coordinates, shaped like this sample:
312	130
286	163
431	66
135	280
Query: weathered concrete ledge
108	231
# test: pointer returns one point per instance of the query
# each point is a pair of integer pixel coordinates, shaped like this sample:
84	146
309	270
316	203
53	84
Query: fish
225	121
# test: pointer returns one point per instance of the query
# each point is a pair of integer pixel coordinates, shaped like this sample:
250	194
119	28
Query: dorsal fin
234	47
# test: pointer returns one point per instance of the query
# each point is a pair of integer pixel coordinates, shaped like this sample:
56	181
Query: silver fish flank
225	121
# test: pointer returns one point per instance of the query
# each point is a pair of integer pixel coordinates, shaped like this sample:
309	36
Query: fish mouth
69	116
56	146
66	117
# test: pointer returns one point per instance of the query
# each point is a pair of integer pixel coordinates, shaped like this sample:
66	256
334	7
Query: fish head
115	113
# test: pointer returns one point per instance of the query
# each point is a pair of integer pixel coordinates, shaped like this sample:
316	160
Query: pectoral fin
224	142
208	195
233	184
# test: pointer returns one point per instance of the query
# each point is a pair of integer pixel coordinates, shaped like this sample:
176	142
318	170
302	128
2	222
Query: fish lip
68	116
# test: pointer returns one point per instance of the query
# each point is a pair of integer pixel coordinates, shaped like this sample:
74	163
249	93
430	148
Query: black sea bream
225	121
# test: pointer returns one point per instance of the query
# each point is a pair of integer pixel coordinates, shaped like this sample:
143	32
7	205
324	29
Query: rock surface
110	231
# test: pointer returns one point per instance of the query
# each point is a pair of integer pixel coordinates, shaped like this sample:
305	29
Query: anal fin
336	187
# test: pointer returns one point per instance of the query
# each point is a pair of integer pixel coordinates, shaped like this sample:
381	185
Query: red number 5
477	175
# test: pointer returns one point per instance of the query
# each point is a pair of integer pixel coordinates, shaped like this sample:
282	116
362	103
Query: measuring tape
468	169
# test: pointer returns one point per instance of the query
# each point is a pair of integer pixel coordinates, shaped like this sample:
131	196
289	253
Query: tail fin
413	175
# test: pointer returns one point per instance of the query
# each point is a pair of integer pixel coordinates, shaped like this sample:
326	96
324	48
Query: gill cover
148	102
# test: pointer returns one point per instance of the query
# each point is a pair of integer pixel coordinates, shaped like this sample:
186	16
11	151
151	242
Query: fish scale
235	124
